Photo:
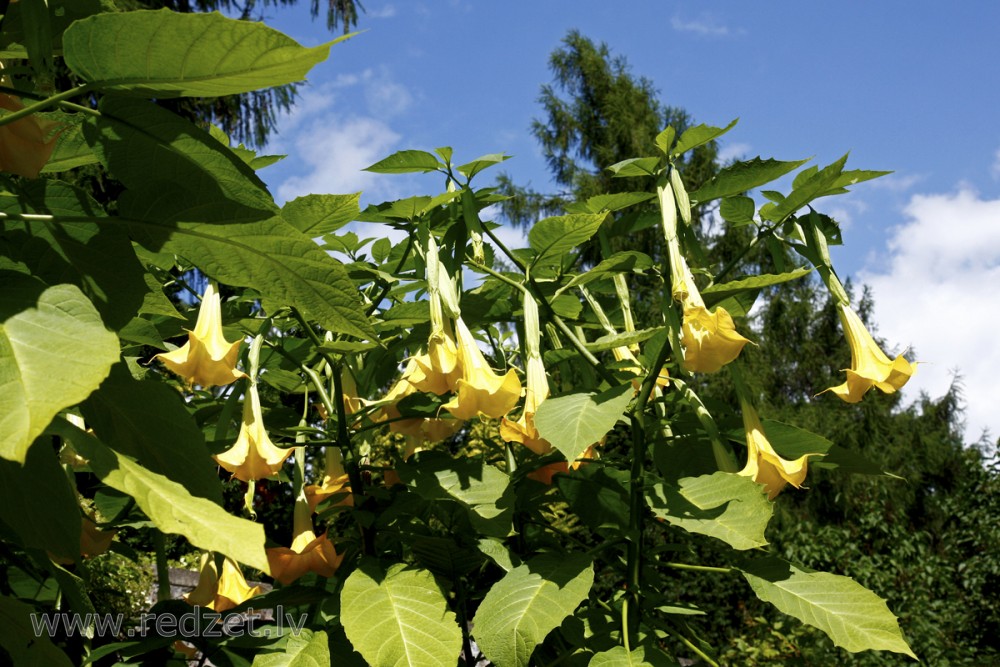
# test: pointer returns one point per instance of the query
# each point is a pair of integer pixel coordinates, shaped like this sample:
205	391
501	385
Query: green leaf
145	146
399	617
23	645
147	421
305	649
54	351
620	262
665	138
812	188
619	656
78	252
699	135
169	54
71	149
729	507
610	202
278	261
483	489
737	210
550	238
168	504
611	341
529	602
636	166
406	162
484	161
716	293
316	215
792	442
852	616
599	495
574	422
743	176
855	176
38	503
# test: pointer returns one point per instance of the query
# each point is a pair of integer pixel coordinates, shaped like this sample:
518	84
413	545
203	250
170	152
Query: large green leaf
54	351
599	495
38	503
610	202
805	191
635	167
854	618
316	215
148	422
619	656
98	258
700	135
620	262
729	507
529	602
168	504
278	261
406	162
305	649
72	149
791	442
743	176
24	646
169	54
399	618
576	421
717	293
146	147
550	238
480	487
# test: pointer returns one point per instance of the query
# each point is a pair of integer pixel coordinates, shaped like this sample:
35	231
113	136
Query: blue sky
905	86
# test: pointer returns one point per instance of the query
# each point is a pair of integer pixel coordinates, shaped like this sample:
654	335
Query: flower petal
710	340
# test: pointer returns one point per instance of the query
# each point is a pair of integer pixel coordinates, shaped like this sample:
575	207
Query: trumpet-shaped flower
308	553
253	456
335	481
224	592
536	390
207	359
418	431
27	143
870	367
764	465
480	391
710	340
437	371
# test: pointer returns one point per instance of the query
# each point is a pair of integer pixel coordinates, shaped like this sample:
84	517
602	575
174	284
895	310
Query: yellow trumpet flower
710	340
764	465
480	391
253	456
335	481
220	593
207	359
418	431
523	430
308	553
870	367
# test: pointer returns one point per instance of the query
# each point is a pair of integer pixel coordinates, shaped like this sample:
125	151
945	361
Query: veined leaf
574	422
72	149
791	442
54	351
812	188
598	494
168	504
550	238
636	166
699	135
619	656
398	618
716	293
280	262
852	616
620	262
611	341
170	54
470	169
528	603
737	210
304	649
742	176
729	507
321	214
406	162
145	146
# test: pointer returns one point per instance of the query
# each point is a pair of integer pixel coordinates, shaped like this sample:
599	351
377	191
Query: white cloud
386	12
934	290
705	26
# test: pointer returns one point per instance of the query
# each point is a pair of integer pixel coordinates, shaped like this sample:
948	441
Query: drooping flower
764	465
308	553
419	431
253	456
93	540
710	339
870	367
335	481
480	391
27	143
523	429
220	593
436	371
207	359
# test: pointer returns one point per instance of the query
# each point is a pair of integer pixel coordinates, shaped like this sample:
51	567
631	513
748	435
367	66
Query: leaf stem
44	104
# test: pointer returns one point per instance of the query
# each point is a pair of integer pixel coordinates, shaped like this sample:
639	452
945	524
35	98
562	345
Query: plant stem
700	568
162	567
44	104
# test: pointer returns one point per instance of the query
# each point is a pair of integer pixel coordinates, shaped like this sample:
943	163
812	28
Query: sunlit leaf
574	422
